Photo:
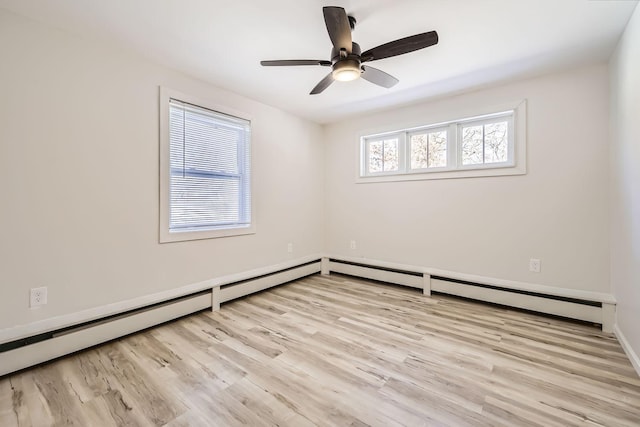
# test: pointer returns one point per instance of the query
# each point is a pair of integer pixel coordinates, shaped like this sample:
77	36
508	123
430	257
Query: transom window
383	155
444	149
484	143
428	149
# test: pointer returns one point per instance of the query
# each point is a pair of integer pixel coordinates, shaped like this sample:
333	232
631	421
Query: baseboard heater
25	352
396	276
572	308
35	349
239	288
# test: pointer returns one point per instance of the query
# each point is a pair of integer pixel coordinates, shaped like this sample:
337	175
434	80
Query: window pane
211	146
203	201
472	152
495	142
419	151
390	154
429	150
383	155
375	156
209	180
437	149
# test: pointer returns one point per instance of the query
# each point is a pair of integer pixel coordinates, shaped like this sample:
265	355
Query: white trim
63	321
503	283
540	304
324	269
215	298
516	164
445	174
400	138
426	284
449	131
23	357
84	337
608	317
165	236
632	355
505	295
511	143
250	274
262	283
381	275
66	320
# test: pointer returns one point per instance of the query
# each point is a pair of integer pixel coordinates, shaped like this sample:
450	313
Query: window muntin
205	171
482	142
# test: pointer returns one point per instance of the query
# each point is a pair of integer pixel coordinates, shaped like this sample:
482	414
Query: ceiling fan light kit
346	70
346	57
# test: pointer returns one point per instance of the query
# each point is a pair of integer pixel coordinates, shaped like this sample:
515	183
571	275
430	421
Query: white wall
625	183
79	184
79	178
491	227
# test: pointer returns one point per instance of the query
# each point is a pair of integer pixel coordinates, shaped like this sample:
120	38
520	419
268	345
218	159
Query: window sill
449	174
187	235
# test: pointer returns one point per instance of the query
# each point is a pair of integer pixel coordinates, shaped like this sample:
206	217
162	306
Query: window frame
167	235
510	162
427	130
515	113
401	155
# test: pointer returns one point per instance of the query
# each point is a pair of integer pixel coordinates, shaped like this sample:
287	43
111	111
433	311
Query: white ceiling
223	41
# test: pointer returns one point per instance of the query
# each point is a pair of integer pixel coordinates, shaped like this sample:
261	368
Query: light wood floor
337	351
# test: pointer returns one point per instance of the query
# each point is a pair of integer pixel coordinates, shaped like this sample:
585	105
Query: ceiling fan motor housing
346	66
336	54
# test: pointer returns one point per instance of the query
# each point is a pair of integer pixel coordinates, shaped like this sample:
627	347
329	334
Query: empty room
306	213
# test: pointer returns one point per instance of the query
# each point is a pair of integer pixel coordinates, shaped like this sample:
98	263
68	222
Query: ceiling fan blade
401	46
288	62
324	83
338	27
378	77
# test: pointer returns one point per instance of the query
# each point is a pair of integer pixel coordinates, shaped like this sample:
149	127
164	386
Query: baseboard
80	330
26	345
397	276
631	354
511	284
245	287
540	303
70	341
94	313
571	303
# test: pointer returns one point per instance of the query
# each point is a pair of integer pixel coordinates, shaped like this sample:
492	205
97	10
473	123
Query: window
383	155
205	168
490	144
429	149
485	143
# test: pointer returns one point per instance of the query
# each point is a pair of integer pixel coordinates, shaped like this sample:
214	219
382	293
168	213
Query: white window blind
209	169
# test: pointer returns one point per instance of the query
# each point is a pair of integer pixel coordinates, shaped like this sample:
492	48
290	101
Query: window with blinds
208	172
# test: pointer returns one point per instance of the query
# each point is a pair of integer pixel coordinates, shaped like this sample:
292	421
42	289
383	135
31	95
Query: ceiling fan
347	58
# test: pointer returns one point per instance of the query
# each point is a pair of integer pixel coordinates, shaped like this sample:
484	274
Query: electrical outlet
534	265
38	297
352	245
290	248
